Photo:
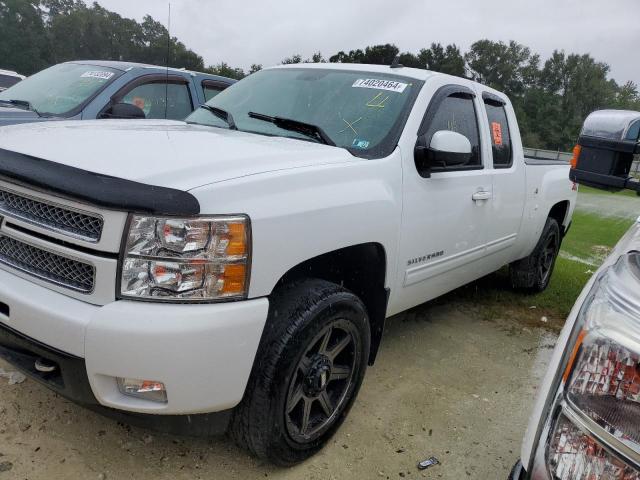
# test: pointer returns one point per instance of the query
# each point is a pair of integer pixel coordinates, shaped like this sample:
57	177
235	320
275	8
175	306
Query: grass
623	193
584	248
591	236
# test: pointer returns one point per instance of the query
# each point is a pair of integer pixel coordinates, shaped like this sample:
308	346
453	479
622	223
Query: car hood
14	115
165	153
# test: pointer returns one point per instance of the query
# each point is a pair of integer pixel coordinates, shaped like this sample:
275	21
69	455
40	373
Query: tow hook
45	366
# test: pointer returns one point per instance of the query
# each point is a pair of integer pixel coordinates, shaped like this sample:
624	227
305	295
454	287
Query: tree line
35	34
551	97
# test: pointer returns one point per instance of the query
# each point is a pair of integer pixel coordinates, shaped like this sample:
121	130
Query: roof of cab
127	66
416	73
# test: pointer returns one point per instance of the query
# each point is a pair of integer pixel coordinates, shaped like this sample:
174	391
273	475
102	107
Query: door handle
481	195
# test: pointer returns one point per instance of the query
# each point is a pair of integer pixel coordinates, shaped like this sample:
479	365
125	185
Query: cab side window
212	88
457	113
500	135
159	100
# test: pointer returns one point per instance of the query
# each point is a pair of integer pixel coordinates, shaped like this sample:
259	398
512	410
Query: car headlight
596	433
574	454
186	259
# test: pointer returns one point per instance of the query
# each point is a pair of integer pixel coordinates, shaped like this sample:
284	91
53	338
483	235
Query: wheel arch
359	268
559	213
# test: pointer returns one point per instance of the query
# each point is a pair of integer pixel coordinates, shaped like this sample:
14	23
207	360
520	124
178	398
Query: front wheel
533	273
307	373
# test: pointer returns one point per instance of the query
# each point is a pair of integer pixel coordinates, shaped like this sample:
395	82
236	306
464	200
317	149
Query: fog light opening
151	390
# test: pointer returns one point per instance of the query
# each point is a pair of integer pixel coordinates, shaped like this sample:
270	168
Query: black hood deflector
101	190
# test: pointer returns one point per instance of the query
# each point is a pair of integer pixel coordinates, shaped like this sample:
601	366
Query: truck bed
543	161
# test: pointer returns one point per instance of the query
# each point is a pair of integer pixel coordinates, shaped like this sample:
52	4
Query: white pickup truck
234	271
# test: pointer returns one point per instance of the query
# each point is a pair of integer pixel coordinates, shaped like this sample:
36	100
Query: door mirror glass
124	111
449	148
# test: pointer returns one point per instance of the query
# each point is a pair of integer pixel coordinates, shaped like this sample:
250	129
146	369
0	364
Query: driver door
443	236
158	96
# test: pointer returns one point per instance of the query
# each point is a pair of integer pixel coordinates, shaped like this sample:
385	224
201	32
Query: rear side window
211	89
458	114
500	135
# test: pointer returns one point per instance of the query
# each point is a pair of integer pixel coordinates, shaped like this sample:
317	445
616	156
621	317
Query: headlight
193	259
576	455
598	405
605	385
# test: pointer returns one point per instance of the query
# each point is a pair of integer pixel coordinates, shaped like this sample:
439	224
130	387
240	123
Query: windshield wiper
22	103
222	115
307	129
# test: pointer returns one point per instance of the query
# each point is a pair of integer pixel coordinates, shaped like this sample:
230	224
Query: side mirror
124	111
445	149
604	155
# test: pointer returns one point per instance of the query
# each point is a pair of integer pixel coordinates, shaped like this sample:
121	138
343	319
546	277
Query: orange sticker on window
496	131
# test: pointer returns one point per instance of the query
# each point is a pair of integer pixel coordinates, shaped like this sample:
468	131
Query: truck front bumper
202	353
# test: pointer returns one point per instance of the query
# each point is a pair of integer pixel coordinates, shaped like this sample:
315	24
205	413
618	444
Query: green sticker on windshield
360	144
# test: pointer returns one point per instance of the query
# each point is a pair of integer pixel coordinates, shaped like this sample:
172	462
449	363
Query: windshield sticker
360	144
378	101
389	85
496	131
99	75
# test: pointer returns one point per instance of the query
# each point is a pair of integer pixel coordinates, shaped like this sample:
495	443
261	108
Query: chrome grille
46	265
52	217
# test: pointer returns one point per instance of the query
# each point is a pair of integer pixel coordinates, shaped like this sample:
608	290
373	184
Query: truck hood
165	153
13	116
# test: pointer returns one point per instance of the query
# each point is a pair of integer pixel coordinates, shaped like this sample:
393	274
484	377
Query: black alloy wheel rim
547	258
321	381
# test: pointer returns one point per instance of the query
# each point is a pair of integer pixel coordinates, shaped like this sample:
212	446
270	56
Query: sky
244	32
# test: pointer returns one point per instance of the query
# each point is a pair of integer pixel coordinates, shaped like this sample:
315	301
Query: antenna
166	85
396	62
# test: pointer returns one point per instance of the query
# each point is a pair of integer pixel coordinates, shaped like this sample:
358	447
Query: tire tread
250	427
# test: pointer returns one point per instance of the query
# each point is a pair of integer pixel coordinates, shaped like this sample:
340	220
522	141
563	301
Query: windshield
363	112
62	88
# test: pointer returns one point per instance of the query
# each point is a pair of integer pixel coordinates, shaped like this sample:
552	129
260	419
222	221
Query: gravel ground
445	384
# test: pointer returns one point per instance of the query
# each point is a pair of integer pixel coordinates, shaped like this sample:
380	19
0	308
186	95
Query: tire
533	273
302	371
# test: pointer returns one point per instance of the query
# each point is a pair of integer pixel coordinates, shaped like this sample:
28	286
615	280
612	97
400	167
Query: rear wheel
308	371
533	273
